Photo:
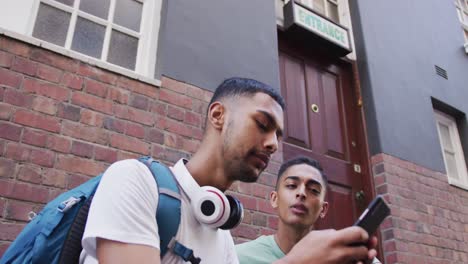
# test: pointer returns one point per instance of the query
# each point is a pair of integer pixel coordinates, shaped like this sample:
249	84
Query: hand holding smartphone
374	215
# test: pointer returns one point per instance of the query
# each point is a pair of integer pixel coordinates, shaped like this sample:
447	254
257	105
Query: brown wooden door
322	122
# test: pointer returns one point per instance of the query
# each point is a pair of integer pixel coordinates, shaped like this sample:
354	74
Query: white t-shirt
124	210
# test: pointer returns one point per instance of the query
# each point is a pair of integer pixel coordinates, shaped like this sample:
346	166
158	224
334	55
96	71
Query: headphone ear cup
211	207
236	215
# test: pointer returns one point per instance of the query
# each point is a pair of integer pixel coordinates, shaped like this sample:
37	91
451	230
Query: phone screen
374	215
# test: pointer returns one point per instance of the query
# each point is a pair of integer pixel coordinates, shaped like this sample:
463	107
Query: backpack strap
168	211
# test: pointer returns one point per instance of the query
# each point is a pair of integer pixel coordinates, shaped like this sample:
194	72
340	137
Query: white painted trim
81	57
450	122
71	27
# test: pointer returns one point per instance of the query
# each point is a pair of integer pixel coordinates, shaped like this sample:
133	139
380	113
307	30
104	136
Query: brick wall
429	220
63	121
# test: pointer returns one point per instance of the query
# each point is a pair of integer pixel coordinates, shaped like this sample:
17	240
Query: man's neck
288	236
206	168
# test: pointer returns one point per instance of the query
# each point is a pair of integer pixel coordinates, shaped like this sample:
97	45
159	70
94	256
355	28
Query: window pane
333	12
123	50
51	25
451	165
128	14
319	6
98	8
67	2
88	37
445	137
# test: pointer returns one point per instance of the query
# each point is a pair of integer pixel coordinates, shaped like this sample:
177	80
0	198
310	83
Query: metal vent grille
441	72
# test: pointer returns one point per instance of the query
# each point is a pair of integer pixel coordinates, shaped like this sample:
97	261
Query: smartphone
374	215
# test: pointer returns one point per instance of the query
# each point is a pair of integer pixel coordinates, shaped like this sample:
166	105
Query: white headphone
211	206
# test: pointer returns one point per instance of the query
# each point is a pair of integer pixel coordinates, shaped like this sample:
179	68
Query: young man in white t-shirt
243	127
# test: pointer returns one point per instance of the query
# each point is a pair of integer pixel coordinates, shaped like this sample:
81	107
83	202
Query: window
328	8
462	11
451	149
120	33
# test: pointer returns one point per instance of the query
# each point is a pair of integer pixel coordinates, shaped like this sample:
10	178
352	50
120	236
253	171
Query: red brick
9	231
138	87
193	119
175	99
86	133
17	152
123	155
173	141
191	145
116	125
97	74
196	133
24	66
248	202
2	208
207	96
79	165
175	113
10	78
92	118
35	138
273	221
178	128
42	157
59	143
105	154
159	108
259	219
92	102
129	144
155	136
72	81
174	85
75	180
45	105
55	60
49	73
5	59
82	149
139	101
265	206
135	115
195	92
17	210
119	95
17	98
69	112
51	124
135	130
23	191
30	174
55	178
5	111
10	132
199	107
7	168
96	88
246	231
46	89
15	46
261	191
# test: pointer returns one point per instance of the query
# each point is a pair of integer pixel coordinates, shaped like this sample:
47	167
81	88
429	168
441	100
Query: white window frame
462	12
326	3
147	38
462	178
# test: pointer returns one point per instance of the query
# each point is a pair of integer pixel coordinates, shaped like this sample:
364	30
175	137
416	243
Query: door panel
327	134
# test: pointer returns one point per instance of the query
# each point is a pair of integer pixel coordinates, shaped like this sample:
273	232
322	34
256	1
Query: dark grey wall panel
205	42
398	44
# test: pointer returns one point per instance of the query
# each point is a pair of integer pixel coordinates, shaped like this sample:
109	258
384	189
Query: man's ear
274	199
324	211
216	115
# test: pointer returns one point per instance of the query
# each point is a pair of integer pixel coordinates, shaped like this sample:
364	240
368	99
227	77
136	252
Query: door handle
360	195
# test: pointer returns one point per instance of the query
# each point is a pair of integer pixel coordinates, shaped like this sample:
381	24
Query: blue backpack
54	235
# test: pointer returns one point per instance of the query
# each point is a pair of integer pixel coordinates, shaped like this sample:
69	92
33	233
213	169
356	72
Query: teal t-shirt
262	250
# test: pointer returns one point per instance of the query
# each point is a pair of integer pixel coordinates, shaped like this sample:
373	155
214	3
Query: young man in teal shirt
299	199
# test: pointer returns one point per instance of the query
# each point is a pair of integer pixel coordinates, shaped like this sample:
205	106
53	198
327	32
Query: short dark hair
243	86
302	160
